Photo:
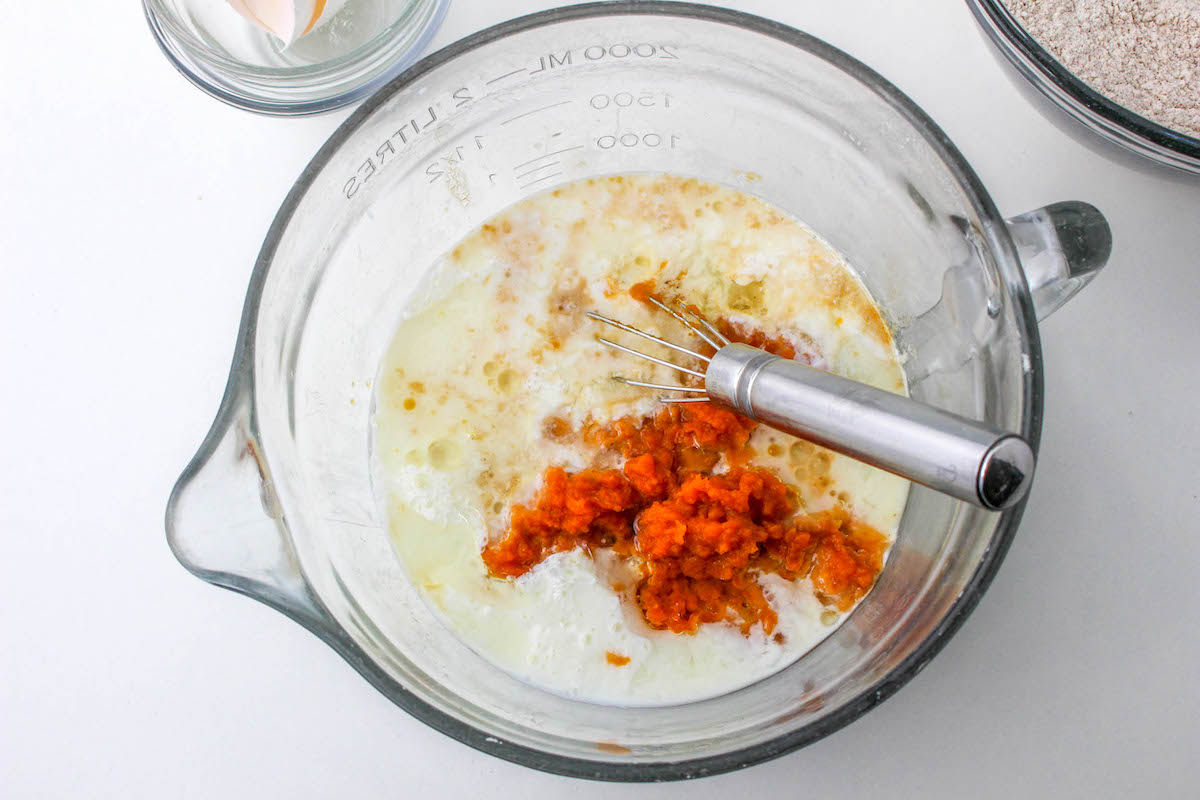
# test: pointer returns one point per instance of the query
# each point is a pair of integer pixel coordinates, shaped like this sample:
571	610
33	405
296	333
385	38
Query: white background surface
131	210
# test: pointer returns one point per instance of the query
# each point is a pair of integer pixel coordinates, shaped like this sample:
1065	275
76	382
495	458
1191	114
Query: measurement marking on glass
547	155
539	180
547	165
608	142
535	111
505	75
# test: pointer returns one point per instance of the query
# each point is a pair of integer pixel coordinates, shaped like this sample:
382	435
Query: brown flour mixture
1141	54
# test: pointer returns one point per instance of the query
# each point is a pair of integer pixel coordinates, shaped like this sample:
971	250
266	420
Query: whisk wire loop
648	357
644	335
714	343
700	327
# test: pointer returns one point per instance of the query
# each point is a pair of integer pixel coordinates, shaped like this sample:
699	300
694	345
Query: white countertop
132	209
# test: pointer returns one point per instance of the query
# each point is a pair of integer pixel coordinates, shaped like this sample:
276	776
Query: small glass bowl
366	44
1100	115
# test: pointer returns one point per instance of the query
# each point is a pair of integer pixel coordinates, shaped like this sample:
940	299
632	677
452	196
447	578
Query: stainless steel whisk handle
966	459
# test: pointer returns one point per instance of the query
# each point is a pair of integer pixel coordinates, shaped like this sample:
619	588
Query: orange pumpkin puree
698	538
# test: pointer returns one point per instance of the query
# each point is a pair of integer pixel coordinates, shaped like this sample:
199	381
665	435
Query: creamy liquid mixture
495	344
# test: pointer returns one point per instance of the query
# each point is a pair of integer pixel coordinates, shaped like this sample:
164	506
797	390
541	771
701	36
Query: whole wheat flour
1141	54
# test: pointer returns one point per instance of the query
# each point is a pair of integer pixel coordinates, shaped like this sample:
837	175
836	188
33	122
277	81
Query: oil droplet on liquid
507	381
444	454
799	451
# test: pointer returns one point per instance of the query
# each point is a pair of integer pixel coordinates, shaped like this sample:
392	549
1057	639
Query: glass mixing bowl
280	502
1066	100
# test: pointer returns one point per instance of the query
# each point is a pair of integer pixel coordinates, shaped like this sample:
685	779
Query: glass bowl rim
241	380
1005	24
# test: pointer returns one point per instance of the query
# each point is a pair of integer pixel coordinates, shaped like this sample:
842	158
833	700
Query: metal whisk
964	458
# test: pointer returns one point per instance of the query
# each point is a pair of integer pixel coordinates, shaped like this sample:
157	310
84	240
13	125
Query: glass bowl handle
1062	246
224	523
